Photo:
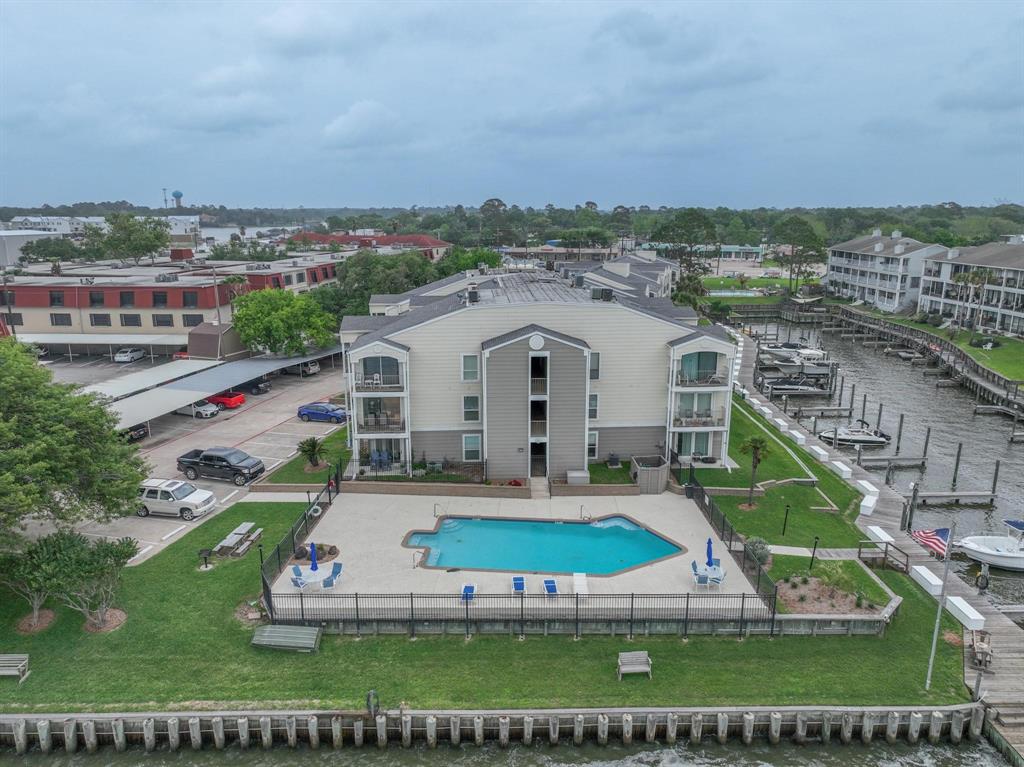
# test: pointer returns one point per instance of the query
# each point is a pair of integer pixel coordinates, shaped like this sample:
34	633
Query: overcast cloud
330	104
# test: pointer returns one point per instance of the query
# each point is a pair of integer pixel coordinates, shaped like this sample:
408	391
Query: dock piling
313	732
218	732
800	732
956	727
651	728
774	727
577	729
748	728
195	735
977	723
826	727
892	727
45	737
956	464
995	480
92	742
503	731
723	728
927	439
602	730
914	727
867	728
455	730
266	733
899	434
696	728
291	731
627	729
528	729
71	736
148	733
671	728
878	421
358	727
20	737
173	734
935	727
478	730
553	729
431	725
121	743
406	731
381	723
846	728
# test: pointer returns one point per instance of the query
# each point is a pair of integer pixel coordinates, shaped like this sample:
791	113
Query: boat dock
952	496
813	411
892	461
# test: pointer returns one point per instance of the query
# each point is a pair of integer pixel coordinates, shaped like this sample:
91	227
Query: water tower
177	198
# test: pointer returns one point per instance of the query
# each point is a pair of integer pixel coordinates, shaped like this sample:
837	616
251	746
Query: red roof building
431	247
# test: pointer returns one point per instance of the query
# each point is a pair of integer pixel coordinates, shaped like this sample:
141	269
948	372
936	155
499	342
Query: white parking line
254	442
229	496
173	532
139	554
274	464
86	364
333	428
293	452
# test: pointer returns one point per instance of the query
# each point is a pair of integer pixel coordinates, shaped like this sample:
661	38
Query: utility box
650	473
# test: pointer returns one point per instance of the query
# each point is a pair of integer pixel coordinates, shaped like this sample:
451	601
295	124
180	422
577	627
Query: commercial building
431	247
880	271
1000	298
529	375
11	242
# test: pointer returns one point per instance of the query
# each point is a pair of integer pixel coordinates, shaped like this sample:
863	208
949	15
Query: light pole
785	520
813	552
942	603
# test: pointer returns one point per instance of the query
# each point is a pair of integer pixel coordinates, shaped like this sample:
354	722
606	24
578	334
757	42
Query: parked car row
322	411
221	463
174	498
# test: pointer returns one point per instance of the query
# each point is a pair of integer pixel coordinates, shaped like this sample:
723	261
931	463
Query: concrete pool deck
368	529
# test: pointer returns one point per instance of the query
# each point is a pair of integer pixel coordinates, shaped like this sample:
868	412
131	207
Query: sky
327	104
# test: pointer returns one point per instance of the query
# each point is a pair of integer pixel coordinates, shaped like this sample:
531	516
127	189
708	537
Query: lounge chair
468	592
716	562
693	566
550	587
579	584
717	581
299	583
700	579
332	576
296	571
518	584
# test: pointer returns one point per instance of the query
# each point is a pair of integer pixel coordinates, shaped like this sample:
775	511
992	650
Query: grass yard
294	471
181	648
745	299
601	474
843	574
732	283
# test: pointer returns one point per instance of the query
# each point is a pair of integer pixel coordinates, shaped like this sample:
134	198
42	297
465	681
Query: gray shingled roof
530	329
364	322
866	245
997	255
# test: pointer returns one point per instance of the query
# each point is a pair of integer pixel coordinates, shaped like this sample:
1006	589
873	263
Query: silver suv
174	498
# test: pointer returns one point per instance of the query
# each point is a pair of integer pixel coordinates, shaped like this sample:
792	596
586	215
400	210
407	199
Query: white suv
174	498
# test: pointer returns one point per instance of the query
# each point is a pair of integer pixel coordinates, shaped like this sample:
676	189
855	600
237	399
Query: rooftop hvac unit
473	295
595	293
579	280
606	294
295	262
199	261
251	267
167	278
87	280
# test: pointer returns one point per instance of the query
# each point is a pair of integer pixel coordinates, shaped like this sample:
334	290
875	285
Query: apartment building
1001	296
635	275
386	244
530	375
881	271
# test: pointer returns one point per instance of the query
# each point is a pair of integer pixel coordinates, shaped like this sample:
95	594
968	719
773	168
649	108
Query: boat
1003	551
795	385
789	349
909	356
797	365
861	435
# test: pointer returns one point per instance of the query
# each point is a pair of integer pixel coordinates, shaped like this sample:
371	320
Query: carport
143	407
133	383
167	342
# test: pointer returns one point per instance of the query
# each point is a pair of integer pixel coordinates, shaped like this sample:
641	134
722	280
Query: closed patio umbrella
314	566
711	558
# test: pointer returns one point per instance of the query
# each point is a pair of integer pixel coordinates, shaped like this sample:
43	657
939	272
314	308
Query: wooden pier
813	411
953	496
892	461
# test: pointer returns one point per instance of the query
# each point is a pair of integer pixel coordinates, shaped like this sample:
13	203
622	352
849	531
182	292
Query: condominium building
884	272
530	375
1001	296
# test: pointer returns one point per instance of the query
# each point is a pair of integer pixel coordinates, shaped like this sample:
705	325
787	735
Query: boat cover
1016	524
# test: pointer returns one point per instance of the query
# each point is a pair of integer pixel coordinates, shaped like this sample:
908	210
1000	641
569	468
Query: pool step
539	487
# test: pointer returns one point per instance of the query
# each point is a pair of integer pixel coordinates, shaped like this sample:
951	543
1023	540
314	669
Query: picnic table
234	539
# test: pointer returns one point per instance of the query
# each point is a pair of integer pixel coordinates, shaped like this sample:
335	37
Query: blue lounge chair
717	580
296	571
550	587
699	579
693	566
328	582
716	562
468	592
298	583
374	459
518	584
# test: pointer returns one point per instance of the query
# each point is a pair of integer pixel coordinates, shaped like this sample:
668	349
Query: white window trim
479	448
462	368
597	406
477	408
597	451
590	363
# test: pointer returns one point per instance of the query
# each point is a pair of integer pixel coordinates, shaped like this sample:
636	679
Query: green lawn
745	299
294	471
778	465
732	283
843	574
182	649
600	474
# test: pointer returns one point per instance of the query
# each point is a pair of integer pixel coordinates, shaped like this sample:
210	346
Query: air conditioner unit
579	280
607	294
595	293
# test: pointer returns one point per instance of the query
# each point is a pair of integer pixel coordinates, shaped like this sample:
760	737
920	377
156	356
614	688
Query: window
56	298
313	276
60	320
470	447
13	318
189	299
159	298
300	277
288	279
191	320
127	298
470	367
471	408
591	444
276	282
6	298
163	320
592	407
99	320
595	366
325	272
131	320
96	298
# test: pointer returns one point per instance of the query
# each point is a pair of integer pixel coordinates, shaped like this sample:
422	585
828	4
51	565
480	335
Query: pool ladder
584	515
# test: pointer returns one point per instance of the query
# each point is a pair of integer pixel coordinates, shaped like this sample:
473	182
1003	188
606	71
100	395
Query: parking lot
90	369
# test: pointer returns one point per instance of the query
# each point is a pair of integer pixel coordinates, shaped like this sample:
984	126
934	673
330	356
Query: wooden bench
14	665
981	647
248	542
297	638
634	663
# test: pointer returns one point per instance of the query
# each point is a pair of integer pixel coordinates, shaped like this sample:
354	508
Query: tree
62	459
977	279
89	573
128	237
312	449
236	284
281	322
805	247
366	273
32	572
54	249
718	309
237	251
757	448
461	259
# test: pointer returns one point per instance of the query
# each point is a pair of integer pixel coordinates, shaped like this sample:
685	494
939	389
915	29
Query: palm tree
743	279
961	280
977	279
312	450
757	447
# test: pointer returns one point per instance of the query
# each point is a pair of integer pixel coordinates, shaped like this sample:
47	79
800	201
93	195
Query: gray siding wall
435	445
628	441
506	397
567	412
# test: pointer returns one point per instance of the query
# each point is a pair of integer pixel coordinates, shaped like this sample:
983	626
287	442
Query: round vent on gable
536	342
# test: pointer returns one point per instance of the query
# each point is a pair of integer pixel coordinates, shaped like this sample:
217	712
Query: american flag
933	540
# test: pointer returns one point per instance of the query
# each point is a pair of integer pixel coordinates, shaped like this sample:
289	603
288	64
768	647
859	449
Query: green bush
759	550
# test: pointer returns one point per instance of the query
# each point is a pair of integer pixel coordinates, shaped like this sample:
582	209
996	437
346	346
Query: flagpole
942	603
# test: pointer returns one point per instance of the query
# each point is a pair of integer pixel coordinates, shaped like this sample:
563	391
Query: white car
129	354
174	498
304	369
200	409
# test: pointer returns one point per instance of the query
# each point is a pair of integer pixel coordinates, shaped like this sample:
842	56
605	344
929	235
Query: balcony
380	423
538	428
378	382
539	386
699	418
702	379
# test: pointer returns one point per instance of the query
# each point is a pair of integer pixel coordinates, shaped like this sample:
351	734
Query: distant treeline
496	223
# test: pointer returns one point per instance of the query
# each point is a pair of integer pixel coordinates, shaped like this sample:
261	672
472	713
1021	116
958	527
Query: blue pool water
601	547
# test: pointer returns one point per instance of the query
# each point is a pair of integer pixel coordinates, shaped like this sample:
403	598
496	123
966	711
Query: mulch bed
323	554
249	616
115	619
819	598
46	619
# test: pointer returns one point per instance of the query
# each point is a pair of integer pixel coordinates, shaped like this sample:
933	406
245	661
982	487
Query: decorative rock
121	743
602	729
577	730
671	728
651	729
956	727
627	729
382	730
935	727
977	723
266	733
800	733
846	728
478	730
337	739
696	728
357	732
313	732
527	730
455	730
21	737
195	733
291	732
431	725
406	723
553	725
71	736
503	729
914	727
723	728
867	727
748	728
173	734
774	728
892	727
826	727
218	732
45	738
149	734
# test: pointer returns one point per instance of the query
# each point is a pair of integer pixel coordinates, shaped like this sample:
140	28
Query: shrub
802	598
859	602
312	449
793	584
759	550
804	579
935	320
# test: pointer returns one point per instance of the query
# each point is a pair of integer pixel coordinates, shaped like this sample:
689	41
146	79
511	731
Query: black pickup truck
221	463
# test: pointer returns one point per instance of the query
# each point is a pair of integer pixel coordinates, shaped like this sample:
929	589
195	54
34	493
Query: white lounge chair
579	584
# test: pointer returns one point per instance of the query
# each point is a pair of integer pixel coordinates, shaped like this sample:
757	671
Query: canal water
903	388
542	755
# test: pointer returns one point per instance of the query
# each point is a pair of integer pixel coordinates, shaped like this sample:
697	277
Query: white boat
797	365
861	435
1003	551
789	349
794	385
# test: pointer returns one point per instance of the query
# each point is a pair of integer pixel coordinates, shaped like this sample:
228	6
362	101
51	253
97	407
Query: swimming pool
600	547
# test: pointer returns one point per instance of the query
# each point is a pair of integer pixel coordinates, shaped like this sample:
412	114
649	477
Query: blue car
323	411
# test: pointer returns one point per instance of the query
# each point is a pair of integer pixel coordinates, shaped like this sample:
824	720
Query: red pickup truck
227	400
